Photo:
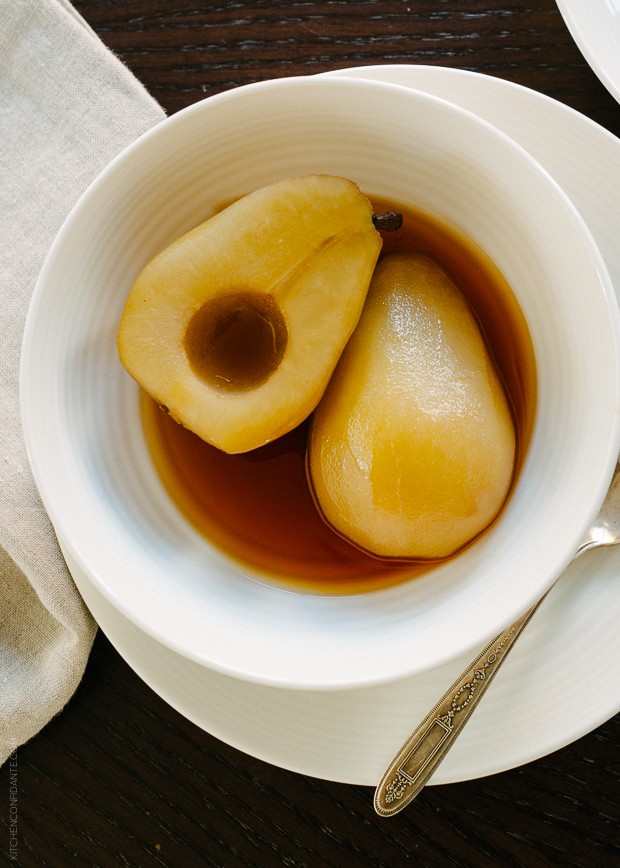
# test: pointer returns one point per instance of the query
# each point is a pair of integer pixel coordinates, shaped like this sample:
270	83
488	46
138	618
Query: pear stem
388	221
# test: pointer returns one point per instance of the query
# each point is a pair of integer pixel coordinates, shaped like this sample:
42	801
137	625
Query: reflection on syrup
257	507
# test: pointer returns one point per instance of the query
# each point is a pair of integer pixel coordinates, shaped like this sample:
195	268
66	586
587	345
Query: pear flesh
237	326
412	447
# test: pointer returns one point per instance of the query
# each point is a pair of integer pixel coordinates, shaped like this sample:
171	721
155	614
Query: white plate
595	27
563	679
552	689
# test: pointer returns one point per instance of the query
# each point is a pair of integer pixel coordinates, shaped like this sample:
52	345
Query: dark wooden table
119	778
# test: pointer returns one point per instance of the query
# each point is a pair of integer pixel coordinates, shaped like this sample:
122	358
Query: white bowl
81	410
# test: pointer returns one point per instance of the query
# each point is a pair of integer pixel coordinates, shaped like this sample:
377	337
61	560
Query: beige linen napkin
67	107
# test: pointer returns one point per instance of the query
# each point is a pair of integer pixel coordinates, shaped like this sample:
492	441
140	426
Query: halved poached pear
412	447
237	326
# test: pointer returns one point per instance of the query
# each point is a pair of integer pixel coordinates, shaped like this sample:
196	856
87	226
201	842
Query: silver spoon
424	750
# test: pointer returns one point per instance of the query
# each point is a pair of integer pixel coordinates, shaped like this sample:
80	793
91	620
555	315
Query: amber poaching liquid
257	507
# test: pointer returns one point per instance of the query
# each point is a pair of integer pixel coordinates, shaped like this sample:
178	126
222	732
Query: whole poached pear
236	327
412	447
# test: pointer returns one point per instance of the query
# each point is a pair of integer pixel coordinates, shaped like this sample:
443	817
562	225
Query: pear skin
237	326
412	447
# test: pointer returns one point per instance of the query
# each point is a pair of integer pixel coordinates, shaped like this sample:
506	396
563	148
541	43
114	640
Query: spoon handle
418	758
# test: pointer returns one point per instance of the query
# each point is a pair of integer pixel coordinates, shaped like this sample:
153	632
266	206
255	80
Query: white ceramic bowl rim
88	456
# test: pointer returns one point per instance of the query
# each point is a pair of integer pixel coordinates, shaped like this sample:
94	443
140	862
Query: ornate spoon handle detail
424	750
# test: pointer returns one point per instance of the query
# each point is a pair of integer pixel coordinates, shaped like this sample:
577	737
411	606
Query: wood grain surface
119	778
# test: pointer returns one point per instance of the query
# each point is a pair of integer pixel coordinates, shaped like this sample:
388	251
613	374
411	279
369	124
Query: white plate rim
585	25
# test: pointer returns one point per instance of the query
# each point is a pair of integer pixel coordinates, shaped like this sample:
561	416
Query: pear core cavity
237	340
